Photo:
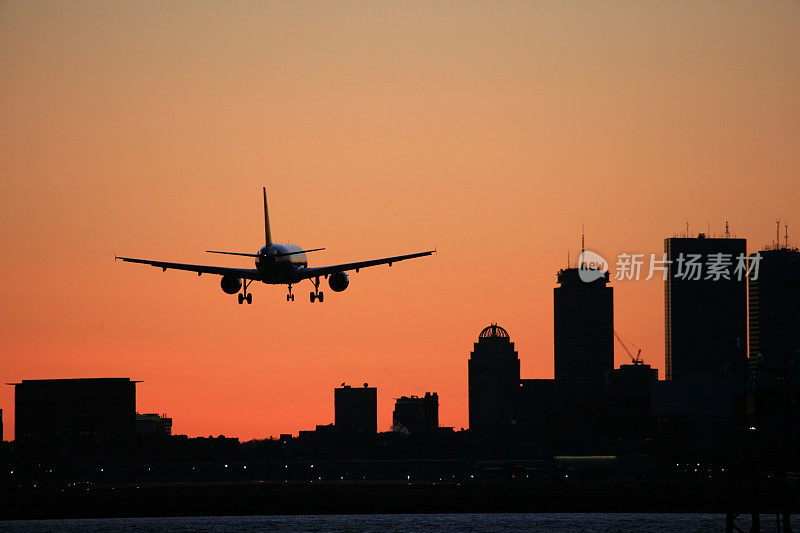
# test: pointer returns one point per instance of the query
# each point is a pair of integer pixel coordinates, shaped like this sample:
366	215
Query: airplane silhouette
277	264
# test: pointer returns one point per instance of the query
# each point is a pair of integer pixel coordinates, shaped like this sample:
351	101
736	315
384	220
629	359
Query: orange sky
490	130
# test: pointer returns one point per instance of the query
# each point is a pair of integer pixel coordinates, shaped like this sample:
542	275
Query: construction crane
636	359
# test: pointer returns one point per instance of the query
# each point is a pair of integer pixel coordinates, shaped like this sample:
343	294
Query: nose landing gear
290	296
316	294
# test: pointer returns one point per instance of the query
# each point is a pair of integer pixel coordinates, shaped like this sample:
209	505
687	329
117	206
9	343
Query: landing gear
316	294
245	296
290	296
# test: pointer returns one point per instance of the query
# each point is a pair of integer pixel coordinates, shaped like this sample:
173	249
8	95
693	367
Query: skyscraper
705	303
774	302
493	383
583	323
356	409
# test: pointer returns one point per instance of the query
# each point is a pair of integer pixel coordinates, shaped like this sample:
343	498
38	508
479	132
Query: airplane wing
245	273
324	271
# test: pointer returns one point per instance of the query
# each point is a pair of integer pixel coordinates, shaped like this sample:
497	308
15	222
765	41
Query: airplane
277	264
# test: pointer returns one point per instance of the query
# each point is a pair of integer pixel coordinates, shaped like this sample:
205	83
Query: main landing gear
245	296
316	294
290	296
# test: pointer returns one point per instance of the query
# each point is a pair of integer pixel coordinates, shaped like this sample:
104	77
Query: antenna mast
786	237
583	248
727	231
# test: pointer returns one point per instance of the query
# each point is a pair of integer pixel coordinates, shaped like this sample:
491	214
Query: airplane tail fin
267	232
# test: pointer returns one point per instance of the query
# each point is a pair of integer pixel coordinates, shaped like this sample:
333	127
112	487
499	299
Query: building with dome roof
493	383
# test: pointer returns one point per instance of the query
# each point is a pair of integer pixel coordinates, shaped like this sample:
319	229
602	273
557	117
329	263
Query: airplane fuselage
279	263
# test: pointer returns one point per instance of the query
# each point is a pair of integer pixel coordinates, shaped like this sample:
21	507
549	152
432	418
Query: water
558	522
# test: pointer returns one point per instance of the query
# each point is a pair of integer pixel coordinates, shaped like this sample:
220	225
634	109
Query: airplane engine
338	281
230	284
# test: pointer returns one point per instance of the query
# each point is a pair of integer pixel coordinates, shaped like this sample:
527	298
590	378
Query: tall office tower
774	301
493	383
705	304
583	324
356	409
416	415
75	416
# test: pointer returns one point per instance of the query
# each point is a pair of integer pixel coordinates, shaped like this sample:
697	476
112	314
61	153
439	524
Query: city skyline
489	133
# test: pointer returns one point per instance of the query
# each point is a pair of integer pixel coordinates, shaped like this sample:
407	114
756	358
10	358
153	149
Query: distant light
226	466
752	428
408	477
245	467
101	469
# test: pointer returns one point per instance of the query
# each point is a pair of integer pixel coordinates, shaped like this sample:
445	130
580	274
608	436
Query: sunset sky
489	130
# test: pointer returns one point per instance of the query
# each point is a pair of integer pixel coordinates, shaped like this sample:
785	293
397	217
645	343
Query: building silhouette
493	383
705	311
153	424
75	416
634	379
416	415
356	409
774	304
583	328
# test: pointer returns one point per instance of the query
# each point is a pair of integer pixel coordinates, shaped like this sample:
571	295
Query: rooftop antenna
687	229
727	231
567	258
778	233
786	236
583	248
708	227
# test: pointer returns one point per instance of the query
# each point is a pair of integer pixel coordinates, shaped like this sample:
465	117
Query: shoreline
357	497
